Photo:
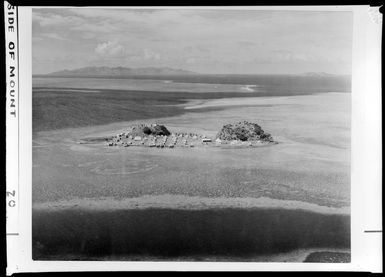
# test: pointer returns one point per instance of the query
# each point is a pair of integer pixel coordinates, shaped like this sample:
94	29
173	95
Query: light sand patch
66	90
132	84
256	101
241	101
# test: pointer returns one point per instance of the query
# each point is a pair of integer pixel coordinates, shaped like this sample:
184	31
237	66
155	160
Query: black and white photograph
188	134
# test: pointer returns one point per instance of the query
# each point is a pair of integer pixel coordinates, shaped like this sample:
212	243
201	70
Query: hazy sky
206	41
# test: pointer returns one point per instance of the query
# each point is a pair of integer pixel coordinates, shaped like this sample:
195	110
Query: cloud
288	56
53	36
51	19
208	40
96	28
196	49
110	50
191	61
150	55
246	43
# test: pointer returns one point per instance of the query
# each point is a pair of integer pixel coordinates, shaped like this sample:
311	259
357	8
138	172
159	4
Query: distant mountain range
105	71
120	71
319	74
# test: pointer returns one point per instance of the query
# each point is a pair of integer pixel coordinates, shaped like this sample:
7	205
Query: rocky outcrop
154	129
243	131
159	130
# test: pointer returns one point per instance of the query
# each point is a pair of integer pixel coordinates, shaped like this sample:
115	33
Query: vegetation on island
243	131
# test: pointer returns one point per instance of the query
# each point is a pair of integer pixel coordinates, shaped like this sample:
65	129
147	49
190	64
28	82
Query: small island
241	134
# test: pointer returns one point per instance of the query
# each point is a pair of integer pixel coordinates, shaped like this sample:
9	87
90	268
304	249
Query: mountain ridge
105	71
120	71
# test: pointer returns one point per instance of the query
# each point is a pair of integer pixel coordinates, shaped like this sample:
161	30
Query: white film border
12	119
18	227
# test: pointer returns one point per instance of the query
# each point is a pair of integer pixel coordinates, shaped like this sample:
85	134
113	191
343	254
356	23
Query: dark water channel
172	233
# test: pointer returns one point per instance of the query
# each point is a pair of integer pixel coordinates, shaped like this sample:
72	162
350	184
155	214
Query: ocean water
259	84
309	166
77	102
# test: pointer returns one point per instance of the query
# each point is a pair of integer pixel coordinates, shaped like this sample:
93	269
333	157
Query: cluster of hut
159	141
239	134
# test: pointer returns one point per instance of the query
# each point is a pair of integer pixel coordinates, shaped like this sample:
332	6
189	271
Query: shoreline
295	256
183	202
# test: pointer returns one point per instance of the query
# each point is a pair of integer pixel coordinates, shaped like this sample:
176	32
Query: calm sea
258	84
77	102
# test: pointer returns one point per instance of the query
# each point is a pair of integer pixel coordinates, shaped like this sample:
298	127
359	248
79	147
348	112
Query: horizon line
187	70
